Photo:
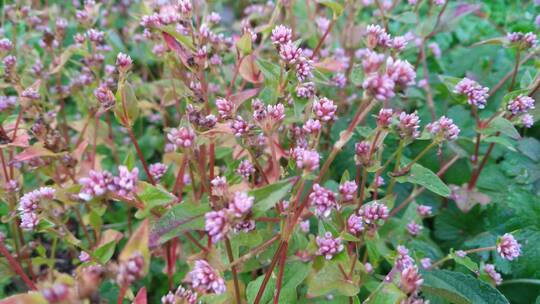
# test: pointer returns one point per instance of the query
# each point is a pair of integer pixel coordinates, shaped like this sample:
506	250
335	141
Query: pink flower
403	260
57	293
304	68
205	278
187	295
123	62
105	96
520	104
244	226
377	36
131	270
401	72
399	43
527	120
306	159
423	210
426	263
225	108
444	127
289	53
219	186
245	169
312	126
30	201
157	170
182	137
304	226
362	151
476	94
216	224
241	204
461	253
305	90
324	109
84	257
29	220
413	228
408	125
355	224
96	184
5	45
239	126
373	213
379	86
493	274
347	190
410	280
281	35
328	246
508	248
339	80
185	7
384	119
372	61
323	200
125	182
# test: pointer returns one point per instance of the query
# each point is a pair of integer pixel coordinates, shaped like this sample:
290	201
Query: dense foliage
287	151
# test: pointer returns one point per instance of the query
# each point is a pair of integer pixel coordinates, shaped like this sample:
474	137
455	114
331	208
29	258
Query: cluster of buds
131	270
444	129
328	246
347	190
475	93
97	183
157	171
182	137
323	200
306	159
508	248
519	107
489	269
206	279
182	295
290	53
523	41
372	216
57	293
29	205
7	102
218	223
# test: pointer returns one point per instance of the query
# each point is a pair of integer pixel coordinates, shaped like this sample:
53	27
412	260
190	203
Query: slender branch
141	156
268	273
514	73
16	266
321	41
233	270
282	261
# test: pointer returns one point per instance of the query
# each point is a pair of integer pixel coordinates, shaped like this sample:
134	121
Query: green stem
396	167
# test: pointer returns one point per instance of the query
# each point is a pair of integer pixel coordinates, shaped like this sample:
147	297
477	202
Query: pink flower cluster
97	183
493	274
206	279
475	93
444	128
508	248
218	223
328	246
29	205
323	200
290	53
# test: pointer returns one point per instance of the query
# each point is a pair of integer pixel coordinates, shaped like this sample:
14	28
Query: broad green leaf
502	125
460	288
129	161
270	70
268	196
503	141
244	44
330	279
336	8
424	177
295	273
530	147
465	261
180	218
386	293
357	74
104	253
406	17
184	40
153	196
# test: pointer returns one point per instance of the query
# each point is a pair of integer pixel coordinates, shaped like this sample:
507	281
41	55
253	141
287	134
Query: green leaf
129	161
64	57
126	109
329	278
530	147
268	196
465	261
182	217
270	70
424	177
153	196
244	44
406	17
504	141
357	74
105	252
460	288
386	293
502	125
336	8
184	40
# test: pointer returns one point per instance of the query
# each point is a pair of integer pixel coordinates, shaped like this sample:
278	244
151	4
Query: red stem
141	157
268	273
282	261
16	266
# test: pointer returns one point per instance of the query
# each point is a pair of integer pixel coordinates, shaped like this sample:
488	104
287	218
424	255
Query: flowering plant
284	151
